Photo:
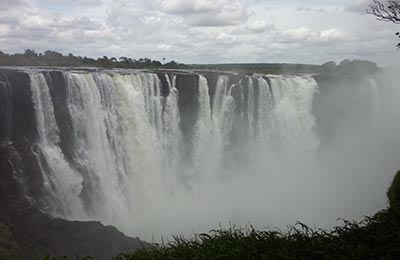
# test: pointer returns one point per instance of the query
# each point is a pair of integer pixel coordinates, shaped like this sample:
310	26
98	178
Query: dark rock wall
58	91
38	234
18	134
188	88
21	181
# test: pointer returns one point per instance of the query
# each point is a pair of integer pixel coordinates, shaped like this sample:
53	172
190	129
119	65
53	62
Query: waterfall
250	109
172	135
61	182
126	156
223	112
375	99
203	132
292	120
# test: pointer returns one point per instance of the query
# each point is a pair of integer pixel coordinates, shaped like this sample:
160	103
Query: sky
201	31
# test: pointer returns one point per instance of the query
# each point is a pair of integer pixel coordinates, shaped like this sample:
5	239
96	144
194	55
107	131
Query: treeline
53	58
344	67
350	67
266	68
56	59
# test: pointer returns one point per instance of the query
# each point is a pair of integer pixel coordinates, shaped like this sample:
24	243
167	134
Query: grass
377	237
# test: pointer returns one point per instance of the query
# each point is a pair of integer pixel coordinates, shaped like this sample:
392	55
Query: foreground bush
8	247
394	194
376	237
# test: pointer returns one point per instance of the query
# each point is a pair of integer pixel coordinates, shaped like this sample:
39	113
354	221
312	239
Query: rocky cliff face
37	233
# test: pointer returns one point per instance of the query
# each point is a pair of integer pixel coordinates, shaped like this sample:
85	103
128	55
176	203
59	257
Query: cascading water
127	139
129	161
172	134
61	182
250	110
292	122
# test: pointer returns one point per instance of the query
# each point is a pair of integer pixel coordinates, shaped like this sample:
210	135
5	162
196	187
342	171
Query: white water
61	182
128	167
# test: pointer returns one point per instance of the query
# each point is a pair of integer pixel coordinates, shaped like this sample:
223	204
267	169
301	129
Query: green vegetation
344	67
263	68
376	237
8	247
53	58
349	67
394	194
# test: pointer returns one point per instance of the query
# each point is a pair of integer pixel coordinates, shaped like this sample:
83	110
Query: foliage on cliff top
53	58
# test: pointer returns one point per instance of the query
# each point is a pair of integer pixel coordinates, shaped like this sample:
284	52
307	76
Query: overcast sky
200	31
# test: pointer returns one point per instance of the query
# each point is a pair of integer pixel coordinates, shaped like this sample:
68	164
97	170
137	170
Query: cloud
8	4
211	13
4	30
73	2
298	34
225	18
260	26
83	23
358	6
224	37
189	6
332	34
90	2
309	9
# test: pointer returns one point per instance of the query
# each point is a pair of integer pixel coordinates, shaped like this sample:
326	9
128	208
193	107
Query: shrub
8	247
394	194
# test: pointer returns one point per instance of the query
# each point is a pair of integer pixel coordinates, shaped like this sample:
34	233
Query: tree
171	65
53	54
329	66
389	10
30	53
386	10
